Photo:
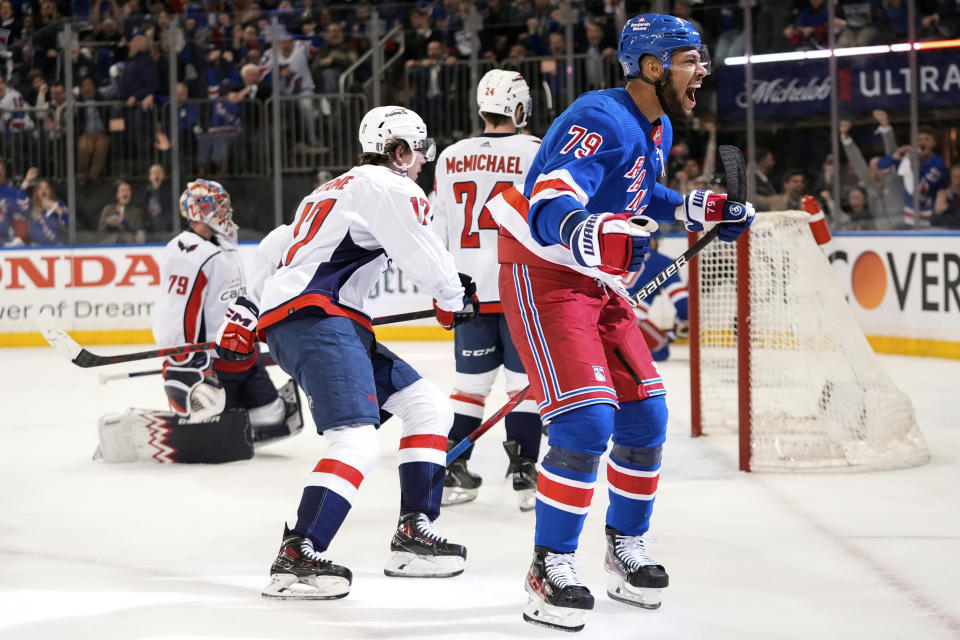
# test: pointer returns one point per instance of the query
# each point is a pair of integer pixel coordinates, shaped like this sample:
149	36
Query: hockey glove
471	305
681	328
616	243
237	336
704	207
193	389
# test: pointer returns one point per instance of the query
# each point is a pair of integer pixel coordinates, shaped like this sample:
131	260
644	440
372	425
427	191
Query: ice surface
96	551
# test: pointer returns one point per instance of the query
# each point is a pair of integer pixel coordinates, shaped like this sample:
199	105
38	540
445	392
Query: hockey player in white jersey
310	311
201	273
468	174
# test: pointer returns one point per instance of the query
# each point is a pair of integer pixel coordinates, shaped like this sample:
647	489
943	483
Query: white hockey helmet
208	202
385	123
501	91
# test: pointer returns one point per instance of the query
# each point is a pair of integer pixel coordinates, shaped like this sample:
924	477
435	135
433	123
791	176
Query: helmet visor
689	58
425	146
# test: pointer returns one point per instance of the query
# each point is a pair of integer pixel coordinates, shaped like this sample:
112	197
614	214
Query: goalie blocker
161	436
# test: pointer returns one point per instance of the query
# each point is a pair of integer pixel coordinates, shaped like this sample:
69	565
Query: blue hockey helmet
657	35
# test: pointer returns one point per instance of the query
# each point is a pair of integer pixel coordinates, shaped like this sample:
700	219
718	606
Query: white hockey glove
681	328
706	207
193	389
237	337
471	305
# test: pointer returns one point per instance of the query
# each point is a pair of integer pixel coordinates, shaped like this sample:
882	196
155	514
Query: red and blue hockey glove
471	305
706	207
237	337
193	389
616	243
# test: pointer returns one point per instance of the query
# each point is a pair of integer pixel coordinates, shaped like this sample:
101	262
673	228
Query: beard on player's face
672	98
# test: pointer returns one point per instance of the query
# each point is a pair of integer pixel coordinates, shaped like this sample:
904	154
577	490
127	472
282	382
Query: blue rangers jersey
654	263
601	155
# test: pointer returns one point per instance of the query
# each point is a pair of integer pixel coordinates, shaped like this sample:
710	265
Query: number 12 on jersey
465	193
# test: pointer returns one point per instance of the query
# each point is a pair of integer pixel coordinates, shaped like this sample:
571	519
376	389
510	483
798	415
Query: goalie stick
61	341
467	442
736	180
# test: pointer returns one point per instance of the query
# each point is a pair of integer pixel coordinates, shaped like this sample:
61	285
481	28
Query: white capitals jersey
468	174
344	236
198	281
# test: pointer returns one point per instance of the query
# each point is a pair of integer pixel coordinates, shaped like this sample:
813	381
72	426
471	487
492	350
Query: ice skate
460	484
635	577
418	552
299	573
558	599
524	472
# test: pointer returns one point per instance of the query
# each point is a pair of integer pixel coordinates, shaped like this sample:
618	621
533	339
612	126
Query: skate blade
403	564
527	499
542	614
285	586
457	495
621	591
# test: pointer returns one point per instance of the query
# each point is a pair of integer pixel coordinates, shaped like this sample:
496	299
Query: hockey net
777	354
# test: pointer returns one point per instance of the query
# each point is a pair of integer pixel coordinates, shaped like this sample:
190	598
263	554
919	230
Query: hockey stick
68	347
736	179
467	442
104	378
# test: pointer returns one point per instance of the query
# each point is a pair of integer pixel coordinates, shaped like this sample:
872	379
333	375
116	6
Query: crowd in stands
120	57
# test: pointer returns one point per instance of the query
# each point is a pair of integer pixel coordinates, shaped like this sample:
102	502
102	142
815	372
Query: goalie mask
501	91
208	202
382	124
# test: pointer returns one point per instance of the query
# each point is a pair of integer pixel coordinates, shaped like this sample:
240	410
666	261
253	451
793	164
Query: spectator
45	39
93	143
13	118
762	168
918	201
333	58
47	217
884	188
554	69
810	30
418	37
433	82
83	65
139	83
601	58
947	207
13	206
293	60
121	221
859	28
794	186
213	147
157	202
730	43
252	88
54	120
857	215
681	9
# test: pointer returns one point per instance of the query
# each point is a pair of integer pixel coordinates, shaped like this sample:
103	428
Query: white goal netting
819	397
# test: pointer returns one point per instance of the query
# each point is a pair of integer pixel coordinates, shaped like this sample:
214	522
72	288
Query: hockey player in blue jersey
567	238
657	340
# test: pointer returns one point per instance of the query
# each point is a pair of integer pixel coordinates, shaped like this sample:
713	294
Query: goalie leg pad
160	436
292	422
